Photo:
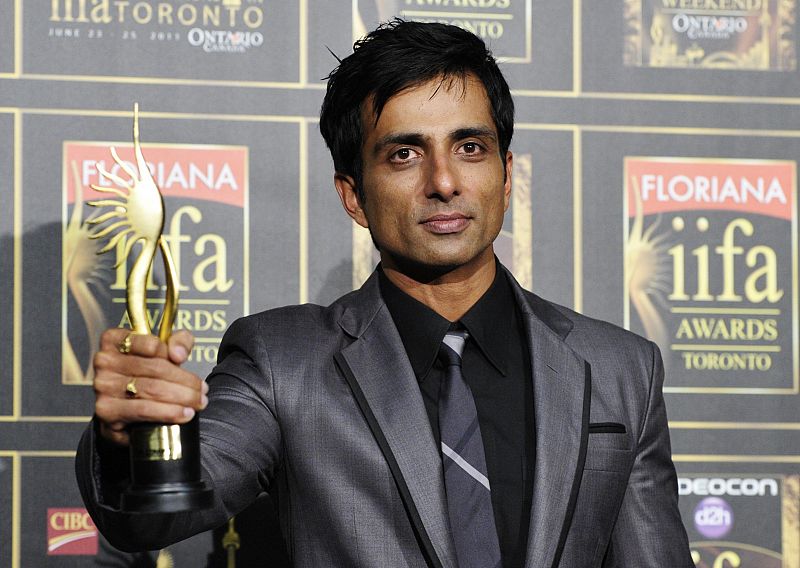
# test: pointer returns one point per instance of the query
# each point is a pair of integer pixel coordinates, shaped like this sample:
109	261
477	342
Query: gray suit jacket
321	406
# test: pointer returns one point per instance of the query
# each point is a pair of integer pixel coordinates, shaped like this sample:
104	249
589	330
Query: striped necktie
469	499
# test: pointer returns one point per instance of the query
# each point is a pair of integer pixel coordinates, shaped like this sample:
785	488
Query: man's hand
165	393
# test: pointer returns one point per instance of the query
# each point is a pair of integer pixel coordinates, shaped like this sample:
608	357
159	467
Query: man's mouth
443	224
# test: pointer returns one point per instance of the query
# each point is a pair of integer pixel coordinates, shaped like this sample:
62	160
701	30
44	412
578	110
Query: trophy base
167	498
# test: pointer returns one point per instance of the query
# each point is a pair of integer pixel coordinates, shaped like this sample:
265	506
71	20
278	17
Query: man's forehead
457	85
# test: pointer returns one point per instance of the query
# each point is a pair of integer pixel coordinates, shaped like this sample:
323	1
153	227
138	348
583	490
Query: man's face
436	186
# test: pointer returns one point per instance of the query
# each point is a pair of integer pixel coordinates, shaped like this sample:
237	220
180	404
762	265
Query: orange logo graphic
70	531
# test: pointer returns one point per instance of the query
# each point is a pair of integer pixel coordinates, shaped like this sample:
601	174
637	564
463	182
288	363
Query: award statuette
165	458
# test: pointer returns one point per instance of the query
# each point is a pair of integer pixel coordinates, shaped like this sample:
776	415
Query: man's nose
442	179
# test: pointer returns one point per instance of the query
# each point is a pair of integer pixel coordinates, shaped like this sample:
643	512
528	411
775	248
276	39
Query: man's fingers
115	385
134	366
113	410
180	345
157	390
152	411
126	342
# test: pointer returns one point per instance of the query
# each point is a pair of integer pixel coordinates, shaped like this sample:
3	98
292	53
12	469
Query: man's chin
431	267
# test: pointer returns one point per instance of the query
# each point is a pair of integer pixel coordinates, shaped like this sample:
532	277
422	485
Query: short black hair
396	56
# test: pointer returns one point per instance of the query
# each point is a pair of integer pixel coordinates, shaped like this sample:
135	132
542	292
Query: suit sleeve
649	530
240	452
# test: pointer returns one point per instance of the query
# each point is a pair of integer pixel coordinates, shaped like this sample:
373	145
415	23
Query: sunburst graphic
165	559
86	276
647	271
791	521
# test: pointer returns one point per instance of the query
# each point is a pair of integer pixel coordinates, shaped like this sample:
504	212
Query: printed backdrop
655	186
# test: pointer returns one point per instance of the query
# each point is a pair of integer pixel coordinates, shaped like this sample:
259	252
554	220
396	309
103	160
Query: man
533	437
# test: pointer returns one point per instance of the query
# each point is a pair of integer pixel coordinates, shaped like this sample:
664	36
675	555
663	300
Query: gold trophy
165	458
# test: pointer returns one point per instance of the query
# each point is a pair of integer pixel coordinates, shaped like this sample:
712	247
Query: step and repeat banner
655	186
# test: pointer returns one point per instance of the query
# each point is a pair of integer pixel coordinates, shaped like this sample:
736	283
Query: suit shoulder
594	338
289	321
583	324
291	331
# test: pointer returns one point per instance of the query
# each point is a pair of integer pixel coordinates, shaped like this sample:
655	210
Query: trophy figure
165	458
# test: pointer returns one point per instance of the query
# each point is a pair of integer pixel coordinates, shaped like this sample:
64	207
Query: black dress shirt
496	366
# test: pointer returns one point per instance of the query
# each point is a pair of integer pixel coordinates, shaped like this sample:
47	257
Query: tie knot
452	347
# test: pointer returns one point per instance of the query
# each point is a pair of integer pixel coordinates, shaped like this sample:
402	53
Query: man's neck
453	293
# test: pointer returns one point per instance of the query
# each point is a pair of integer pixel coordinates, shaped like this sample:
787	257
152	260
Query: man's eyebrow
473	132
410	138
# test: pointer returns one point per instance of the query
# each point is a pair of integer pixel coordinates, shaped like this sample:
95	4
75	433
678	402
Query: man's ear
346	188
507	185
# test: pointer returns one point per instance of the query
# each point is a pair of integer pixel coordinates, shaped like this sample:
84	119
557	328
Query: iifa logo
711	269
70	531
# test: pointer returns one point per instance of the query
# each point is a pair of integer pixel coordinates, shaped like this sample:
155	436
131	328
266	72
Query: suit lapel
385	387
562	392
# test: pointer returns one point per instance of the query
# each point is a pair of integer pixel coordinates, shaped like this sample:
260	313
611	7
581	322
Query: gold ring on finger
130	389
125	345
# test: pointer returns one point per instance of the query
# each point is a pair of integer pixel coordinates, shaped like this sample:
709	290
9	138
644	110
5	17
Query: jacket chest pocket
609	448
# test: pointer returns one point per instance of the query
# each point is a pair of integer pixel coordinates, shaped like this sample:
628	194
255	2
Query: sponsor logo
713	517
721	34
711	269
184	14
763	531
215	41
731	486
202	22
70	532
205	192
709	27
506	24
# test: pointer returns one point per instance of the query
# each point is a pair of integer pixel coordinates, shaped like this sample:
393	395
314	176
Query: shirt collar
421	329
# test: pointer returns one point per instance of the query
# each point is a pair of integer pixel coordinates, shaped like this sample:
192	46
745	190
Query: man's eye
471	148
403	154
